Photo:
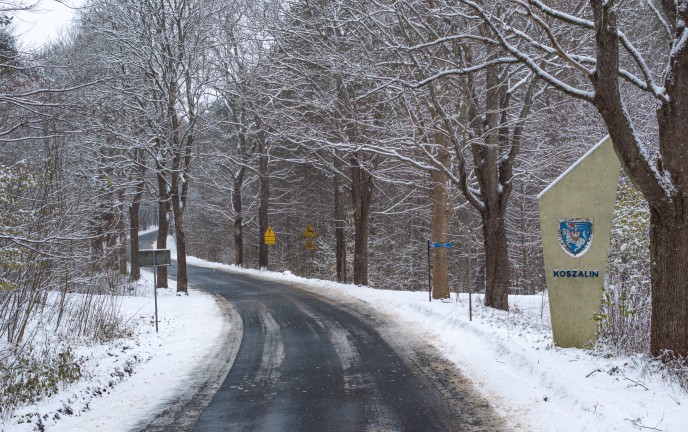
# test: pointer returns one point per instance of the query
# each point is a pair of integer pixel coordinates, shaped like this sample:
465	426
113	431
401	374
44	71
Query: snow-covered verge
510	358
131	379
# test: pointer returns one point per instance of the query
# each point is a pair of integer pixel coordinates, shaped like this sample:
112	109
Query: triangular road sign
269	236
310	231
310	245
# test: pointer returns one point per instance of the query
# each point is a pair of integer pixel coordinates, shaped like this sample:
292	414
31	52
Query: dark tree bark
666	186
345	125
180	188
664	181
496	259
264	195
239	218
339	221
180	238
440	223
135	272
496	141
494	189
122	235
163	227
361	198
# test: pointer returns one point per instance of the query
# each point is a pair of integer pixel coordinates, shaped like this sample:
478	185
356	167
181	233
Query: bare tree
234	58
606	67
164	45
328	114
469	97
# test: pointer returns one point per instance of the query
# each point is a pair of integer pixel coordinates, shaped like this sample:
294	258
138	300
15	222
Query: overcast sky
43	24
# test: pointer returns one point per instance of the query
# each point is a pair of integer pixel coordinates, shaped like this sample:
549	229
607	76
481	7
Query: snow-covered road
307	363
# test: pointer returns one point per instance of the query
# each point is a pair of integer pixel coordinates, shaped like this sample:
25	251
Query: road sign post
429	275
470	279
154	258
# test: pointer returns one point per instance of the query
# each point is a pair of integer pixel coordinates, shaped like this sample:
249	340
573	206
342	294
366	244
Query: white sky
43	24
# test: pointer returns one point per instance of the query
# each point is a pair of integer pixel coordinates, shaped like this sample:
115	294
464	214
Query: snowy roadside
511	360
133	379
508	356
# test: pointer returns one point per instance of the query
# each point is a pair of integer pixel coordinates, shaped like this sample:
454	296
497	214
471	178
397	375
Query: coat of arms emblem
575	235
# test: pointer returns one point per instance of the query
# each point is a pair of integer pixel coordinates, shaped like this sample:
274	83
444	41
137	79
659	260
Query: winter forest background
381	123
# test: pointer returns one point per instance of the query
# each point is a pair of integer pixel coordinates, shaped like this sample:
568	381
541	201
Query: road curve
306	363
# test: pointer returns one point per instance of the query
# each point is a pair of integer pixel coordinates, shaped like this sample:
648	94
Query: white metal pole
155	290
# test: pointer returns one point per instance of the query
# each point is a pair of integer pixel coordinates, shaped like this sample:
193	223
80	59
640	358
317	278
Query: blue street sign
441	245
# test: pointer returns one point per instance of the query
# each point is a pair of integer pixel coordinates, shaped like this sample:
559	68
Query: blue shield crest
575	235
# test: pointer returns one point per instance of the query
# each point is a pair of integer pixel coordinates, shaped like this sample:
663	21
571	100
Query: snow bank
132	379
509	356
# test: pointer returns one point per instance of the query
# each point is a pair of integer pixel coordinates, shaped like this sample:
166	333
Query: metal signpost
155	258
434	245
470	280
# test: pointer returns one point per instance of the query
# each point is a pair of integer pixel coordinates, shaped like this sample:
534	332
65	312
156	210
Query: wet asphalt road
307	363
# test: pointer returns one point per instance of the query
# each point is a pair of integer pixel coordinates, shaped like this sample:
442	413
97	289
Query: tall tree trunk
112	251
362	197
180	238
238	219
344	116
664	186
179	190
163	228
668	252
669	229
493	161
440	223
669	223
122	235
339	222
135	270
496	260
264	199
97	240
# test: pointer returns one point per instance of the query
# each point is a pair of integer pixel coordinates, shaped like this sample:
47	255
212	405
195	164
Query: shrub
28	376
624	321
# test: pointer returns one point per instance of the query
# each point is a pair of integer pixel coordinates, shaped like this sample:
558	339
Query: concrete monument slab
576	213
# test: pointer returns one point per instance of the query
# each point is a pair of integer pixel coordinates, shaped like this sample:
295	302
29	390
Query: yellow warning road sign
310	245
310	231
269	236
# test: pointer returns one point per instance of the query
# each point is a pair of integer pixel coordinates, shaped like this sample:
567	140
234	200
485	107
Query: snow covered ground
508	356
135	378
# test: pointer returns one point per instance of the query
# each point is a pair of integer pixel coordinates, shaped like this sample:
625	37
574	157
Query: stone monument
576	213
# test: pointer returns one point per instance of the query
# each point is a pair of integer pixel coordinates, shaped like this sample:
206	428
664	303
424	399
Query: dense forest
382	124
